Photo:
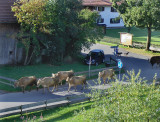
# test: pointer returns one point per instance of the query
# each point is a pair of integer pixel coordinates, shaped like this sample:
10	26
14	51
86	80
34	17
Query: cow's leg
37	88
69	87
43	90
57	87
82	86
60	81
85	85
107	80
75	88
53	88
104	81
30	88
48	89
23	89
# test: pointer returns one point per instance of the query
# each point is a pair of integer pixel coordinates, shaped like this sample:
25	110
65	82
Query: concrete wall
9	53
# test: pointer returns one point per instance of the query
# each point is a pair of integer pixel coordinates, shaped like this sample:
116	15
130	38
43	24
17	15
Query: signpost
90	66
120	65
126	38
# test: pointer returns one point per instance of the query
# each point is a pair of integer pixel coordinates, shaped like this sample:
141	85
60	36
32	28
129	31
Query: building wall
107	15
9	53
6	15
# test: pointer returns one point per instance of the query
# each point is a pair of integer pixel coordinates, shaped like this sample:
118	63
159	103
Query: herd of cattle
57	79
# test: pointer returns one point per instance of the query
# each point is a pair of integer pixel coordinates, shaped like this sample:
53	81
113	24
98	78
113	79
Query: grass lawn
62	114
139	35
43	70
112	38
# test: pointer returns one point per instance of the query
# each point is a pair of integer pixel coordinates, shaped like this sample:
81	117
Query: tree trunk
148	39
26	58
129	29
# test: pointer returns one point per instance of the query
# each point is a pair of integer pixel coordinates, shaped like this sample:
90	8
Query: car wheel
96	63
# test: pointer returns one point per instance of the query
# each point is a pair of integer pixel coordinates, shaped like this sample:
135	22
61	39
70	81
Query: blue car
96	56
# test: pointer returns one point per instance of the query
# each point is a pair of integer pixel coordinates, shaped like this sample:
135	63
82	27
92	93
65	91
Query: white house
108	15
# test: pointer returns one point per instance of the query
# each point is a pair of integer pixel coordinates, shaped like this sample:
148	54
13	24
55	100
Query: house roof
6	16
97	3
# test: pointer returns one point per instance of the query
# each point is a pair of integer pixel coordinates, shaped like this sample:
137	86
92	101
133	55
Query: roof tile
97	3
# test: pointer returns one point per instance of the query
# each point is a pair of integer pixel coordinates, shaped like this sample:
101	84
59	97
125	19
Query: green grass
43	70
62	114
139	35
112	38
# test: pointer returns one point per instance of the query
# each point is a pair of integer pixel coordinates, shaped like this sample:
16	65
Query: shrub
134	101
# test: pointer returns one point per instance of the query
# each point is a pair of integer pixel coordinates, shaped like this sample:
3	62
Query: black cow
155	60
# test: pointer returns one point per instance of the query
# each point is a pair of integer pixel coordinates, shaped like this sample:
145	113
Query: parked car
96	55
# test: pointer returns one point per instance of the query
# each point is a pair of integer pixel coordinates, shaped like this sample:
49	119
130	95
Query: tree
140	13
66	26
29	16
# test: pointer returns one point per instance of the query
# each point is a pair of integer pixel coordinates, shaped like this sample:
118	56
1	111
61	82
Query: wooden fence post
45	104
21	109
68	100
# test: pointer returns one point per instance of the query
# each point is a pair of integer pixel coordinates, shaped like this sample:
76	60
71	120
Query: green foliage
29	16
62	27
135	101
141	13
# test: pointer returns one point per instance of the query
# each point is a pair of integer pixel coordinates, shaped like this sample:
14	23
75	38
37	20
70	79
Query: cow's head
16	84
100	74
38	83
54	75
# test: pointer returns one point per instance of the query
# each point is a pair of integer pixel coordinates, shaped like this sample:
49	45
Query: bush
134	101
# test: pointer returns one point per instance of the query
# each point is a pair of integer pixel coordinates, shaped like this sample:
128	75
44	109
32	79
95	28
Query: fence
11	81
52	103
94	72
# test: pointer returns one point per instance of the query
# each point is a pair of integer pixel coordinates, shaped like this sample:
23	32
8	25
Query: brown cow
76	80
63	75
48	82
26	81
108	73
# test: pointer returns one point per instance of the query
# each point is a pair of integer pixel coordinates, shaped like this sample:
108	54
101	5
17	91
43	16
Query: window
114	21
94	8
100	8
100	20
113	9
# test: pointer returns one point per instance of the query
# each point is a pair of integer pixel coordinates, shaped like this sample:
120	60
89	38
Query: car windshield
94	54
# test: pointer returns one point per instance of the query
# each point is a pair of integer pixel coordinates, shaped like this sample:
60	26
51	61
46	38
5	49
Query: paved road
16	99
132	61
